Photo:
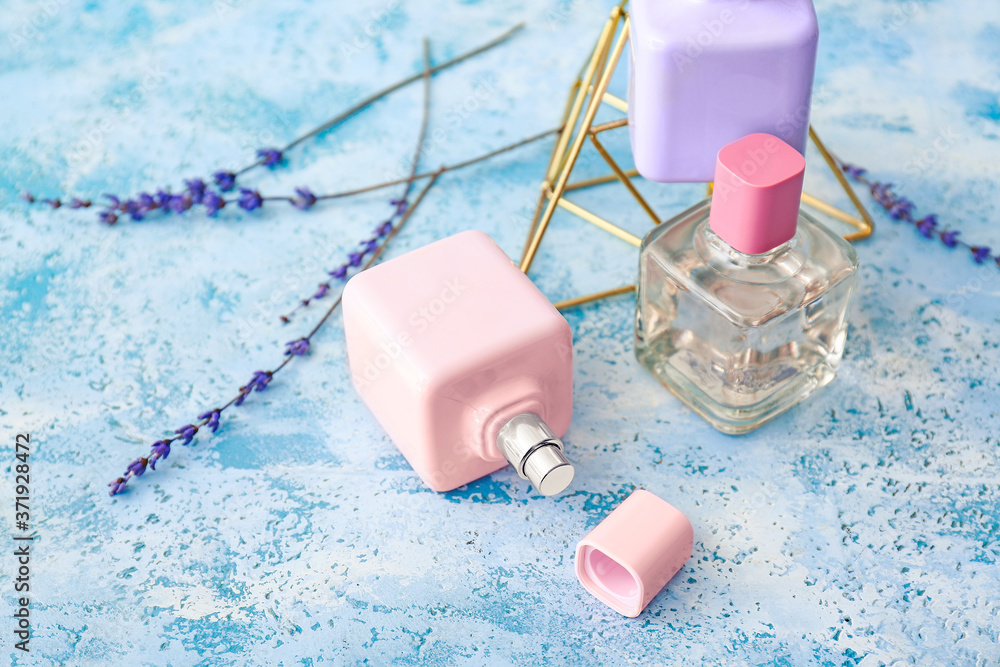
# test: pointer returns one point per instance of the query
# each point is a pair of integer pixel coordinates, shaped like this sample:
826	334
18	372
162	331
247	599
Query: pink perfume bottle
464	363
743	299
706	72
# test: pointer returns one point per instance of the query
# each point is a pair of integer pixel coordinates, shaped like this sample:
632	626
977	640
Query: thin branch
422	136
429	174
375	97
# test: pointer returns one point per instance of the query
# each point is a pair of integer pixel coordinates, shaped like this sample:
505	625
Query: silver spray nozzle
536	453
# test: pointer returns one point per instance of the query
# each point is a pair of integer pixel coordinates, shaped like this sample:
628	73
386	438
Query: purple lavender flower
305	199
980	253
384	229
258	382
927	224
180	203
883	194
854	172
354	258
270	157
115	202
250	199
159	451
297	347
147	201
244	392
400	204
117	486
370	245
28	197
340	272
187	432
133	209
137	467
321	292
213	203
75	202
901	208
108	217
54	203
162	199
213	419
195	189
226	180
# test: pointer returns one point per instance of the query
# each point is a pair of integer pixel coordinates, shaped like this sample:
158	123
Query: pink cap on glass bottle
758	190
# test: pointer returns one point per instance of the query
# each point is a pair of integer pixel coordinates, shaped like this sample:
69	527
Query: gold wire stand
589	92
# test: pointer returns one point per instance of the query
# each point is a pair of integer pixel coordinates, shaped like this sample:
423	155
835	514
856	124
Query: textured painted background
859	529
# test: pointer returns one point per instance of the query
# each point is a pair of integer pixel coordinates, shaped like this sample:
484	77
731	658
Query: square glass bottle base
664	364
741	338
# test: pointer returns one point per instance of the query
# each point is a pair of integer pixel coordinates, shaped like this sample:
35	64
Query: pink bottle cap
758	189
631	555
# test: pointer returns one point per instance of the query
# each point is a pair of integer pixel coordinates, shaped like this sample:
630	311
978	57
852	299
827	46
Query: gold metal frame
589	92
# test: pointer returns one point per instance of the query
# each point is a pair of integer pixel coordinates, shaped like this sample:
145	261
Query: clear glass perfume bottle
743	299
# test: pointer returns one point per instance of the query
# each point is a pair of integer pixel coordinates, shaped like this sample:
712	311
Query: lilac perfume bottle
706	72
743	299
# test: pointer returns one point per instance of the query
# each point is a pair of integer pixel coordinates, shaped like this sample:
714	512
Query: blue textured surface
859	529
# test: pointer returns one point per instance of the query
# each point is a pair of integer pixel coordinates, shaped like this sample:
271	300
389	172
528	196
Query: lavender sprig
901	208
304	199
139	208
266	157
